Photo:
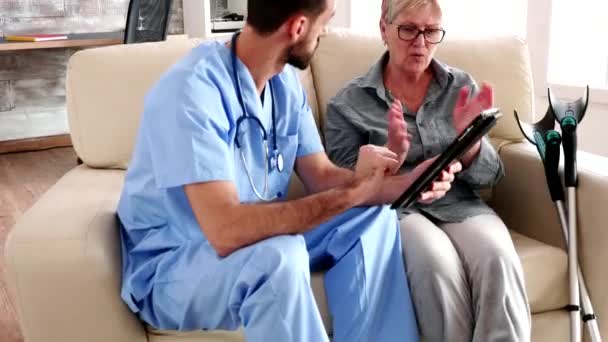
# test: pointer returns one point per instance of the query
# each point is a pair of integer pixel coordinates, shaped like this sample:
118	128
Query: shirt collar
374	79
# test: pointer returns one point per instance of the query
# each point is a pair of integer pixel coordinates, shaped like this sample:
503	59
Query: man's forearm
393	186
247	224
333	177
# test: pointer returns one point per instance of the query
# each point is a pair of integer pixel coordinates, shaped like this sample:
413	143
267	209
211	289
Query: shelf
74	40
35	144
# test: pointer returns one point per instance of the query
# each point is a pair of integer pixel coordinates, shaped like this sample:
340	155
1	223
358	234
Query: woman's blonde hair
392	8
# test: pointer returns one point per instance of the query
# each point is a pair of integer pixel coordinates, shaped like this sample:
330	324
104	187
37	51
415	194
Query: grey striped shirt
356	116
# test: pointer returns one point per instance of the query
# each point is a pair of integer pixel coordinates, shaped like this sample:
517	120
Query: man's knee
381	215
284	257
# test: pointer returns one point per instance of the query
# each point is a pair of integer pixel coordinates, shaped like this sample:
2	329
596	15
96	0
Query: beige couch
63	255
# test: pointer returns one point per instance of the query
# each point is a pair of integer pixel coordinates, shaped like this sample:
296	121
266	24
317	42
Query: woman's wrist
469	156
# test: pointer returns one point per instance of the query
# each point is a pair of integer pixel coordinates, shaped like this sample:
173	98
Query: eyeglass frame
420	32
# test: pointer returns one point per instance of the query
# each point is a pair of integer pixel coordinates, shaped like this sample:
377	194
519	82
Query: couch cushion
545	269
504	62
545	272
105	92
208	336
63	260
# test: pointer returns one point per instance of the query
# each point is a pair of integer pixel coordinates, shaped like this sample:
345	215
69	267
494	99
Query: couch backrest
105	92
106	86
503	62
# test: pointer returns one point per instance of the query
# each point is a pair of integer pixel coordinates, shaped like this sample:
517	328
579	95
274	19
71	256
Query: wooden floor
23	178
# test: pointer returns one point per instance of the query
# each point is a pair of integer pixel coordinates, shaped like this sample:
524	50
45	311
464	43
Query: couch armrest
522	200
63	260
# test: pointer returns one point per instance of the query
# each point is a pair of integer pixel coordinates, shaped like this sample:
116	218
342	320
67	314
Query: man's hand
398	138
467	110
373	164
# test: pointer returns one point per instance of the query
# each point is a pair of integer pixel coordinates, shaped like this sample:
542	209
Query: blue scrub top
187	135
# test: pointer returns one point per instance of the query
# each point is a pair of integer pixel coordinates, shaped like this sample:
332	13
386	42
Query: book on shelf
34	37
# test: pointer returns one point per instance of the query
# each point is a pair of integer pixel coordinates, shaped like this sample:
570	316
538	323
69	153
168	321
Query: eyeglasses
409	33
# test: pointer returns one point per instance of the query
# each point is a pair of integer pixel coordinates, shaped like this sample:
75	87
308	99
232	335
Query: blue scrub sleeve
309	141
189	136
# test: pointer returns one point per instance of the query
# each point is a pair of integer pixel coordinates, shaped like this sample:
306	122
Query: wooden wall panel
79	8
84	24
40	96
7	98
8	62
32	8
33	64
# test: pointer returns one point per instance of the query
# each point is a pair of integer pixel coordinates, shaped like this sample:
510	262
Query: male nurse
209	240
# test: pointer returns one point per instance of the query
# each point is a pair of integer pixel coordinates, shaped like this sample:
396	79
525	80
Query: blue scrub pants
266	286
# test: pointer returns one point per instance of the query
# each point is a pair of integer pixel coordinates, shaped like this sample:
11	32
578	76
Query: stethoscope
271	160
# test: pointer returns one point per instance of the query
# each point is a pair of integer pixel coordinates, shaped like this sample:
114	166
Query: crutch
569	115
548	143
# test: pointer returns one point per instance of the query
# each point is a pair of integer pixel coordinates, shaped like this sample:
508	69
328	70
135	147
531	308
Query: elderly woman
466	279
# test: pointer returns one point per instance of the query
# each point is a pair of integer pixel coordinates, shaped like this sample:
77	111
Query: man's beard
300	58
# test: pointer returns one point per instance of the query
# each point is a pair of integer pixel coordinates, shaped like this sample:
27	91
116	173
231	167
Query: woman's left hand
467	110
398	138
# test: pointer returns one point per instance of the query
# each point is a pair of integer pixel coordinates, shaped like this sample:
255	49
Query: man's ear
297	27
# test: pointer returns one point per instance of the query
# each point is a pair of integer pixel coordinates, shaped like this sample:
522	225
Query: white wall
359	15
343	14
365	15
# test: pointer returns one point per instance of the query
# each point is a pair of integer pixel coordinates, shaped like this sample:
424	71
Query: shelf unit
73	40
197	17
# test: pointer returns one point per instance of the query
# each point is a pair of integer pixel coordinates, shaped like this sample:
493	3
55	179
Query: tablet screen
475	131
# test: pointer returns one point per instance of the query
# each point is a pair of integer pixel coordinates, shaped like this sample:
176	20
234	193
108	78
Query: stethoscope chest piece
276	161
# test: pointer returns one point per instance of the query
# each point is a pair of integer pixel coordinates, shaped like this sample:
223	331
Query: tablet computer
475	131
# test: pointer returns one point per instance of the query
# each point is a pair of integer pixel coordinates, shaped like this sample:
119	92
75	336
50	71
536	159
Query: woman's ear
383	25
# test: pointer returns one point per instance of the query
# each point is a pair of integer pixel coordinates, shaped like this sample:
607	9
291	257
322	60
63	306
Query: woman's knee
429	253
500	262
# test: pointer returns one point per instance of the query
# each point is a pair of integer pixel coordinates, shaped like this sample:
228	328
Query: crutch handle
569	115
552	154
569	125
